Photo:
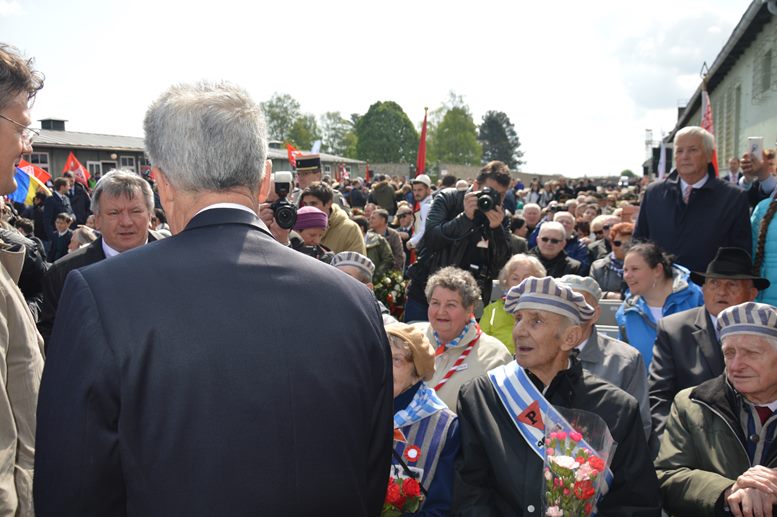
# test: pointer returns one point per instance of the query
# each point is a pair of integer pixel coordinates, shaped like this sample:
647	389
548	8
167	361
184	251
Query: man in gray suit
614	361
687	348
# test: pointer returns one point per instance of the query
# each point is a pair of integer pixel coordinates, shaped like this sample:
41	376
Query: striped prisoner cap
354	259
758	319
547	294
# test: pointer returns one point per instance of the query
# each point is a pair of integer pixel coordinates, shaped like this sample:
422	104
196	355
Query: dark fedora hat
733	264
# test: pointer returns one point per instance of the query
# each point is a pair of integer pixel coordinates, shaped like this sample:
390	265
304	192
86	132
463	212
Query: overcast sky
581	81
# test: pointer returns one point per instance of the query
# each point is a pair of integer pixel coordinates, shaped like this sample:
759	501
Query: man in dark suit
182	377
54	205
692	213
123	203
687	348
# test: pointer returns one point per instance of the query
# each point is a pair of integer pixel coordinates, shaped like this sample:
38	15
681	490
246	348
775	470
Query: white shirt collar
698	184
110	252
235	206
581	346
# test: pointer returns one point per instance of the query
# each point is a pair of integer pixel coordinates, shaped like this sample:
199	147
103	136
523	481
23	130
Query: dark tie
763	413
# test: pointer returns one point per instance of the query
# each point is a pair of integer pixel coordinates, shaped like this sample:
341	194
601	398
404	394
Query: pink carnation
575	436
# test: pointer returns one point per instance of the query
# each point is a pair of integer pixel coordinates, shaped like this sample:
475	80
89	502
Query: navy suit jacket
717	215
216	372
52	207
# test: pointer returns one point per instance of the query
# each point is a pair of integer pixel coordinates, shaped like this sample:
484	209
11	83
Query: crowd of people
178	343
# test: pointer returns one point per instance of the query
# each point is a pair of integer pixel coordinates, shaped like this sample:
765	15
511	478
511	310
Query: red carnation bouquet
403	496
577	454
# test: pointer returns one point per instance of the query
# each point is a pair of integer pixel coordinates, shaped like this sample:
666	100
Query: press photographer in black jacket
466	230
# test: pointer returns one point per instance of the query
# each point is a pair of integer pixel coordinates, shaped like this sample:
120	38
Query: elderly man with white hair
499	471
692	213
718	451
182	378
551	240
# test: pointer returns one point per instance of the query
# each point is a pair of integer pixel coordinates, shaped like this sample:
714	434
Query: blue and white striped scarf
456	341
424	403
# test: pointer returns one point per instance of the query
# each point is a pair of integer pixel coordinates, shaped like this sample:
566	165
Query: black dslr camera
284	212
488	199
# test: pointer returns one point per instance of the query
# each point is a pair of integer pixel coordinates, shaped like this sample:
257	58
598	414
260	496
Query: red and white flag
420	161
33	170
80	174
707	123
292	153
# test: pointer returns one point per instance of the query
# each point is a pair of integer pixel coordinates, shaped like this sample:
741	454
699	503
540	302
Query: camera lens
485	203
286	216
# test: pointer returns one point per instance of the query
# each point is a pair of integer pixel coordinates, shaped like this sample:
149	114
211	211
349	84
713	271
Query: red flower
411	488
412	454
584	489
588	508
394	494
596	463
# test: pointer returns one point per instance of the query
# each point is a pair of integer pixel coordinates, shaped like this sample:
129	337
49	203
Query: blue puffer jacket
769	265
635	321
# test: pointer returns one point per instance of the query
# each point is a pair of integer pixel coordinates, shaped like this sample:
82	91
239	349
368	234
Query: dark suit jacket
686	353
716	215
52	207
54	280
59	245
216	372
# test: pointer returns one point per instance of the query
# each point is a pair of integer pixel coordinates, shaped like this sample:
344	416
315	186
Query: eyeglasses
28	134
619	243
550	240
598	232
606	227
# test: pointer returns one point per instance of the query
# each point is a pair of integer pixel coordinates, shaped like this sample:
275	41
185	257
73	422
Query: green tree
334	129
280	112
627	172
436	115
455	139
386	135
304	131
499	139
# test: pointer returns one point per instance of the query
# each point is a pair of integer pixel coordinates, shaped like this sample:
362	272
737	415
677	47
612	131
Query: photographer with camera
465	229
277	212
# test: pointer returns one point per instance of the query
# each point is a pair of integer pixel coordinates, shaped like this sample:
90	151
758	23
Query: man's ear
571	337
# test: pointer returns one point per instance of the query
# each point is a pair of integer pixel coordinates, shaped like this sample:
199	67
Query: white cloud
10	8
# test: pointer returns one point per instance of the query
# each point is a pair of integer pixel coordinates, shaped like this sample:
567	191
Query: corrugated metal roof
76	140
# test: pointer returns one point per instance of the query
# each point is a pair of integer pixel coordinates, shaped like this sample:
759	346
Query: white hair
707	138
554	226
530	261
207	137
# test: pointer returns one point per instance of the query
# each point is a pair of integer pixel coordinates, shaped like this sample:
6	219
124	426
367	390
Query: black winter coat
450	237
497	473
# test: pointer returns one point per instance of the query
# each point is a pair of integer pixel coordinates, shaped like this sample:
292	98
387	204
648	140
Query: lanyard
453	369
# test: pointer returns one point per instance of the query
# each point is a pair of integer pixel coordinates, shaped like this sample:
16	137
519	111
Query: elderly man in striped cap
719	449
503	414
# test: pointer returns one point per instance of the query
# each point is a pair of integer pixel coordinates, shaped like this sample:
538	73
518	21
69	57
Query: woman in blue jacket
764	228
657	288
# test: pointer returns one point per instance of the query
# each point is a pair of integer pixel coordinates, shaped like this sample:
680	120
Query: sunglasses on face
598	232
618	243
550	240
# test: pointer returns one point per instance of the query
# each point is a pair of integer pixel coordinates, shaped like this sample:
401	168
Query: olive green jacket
703	449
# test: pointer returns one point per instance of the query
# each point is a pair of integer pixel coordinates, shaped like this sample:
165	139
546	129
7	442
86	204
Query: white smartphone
755	146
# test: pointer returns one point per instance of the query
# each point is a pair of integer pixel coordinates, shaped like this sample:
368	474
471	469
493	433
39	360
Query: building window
127	162
94	168
766	72
327	169
38	159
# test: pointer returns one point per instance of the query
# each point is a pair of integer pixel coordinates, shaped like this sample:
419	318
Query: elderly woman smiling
463	352
430	430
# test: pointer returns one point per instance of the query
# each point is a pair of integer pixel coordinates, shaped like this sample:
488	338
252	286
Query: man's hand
470	204
754	168
267	216
750	502
758	477
495	217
